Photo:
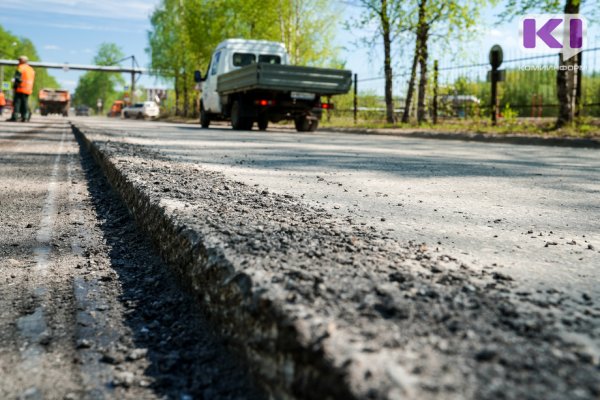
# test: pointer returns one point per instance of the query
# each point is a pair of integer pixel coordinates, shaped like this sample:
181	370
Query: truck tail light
264	103
327	106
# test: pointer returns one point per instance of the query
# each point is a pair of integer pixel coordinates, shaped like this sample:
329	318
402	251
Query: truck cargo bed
285	78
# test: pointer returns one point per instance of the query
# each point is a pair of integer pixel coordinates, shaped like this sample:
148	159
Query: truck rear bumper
275	106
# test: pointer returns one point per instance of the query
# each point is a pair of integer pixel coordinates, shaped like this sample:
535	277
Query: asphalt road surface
86	310
76	278
531	211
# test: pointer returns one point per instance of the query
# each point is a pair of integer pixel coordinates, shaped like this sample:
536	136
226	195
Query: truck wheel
204	117
304	124
263	122
238	122
140	116
301	124
126	115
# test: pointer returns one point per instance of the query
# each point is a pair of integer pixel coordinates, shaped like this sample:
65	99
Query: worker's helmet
23	59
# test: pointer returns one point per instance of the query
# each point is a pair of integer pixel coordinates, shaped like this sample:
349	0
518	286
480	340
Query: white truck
251	81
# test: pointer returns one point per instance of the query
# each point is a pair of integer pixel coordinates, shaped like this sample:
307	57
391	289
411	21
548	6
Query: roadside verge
477	137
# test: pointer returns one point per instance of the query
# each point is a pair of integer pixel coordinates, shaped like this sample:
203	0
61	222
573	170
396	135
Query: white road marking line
46	230
33	327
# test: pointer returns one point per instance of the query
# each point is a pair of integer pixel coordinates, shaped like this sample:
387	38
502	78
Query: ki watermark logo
543	33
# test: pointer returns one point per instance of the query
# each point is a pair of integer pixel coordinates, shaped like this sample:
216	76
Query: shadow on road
186	359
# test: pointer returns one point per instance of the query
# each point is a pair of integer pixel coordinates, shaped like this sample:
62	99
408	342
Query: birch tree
568	70
387	16
441	19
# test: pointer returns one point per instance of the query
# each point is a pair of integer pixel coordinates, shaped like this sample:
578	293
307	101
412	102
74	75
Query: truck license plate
303	96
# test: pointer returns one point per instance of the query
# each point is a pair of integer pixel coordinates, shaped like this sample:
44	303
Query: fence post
494	104
355	99
435	91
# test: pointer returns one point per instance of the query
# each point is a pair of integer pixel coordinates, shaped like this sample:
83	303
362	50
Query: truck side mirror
198	76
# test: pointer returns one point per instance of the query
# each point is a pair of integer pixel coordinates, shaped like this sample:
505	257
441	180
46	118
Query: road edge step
278	354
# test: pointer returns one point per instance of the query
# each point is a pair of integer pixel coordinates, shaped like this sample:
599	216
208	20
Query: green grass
583	128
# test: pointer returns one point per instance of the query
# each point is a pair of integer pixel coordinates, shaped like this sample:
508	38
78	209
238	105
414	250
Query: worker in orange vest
24	77
2	101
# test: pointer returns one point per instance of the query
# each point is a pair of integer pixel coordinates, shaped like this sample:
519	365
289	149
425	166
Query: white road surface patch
44	234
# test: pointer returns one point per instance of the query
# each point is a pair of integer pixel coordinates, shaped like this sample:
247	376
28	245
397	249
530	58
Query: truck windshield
243	59
269	59
215	64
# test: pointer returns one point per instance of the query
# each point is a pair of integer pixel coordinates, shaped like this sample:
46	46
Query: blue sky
71	31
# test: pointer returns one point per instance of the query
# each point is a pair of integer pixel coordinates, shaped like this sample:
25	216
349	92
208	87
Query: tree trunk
436	76
186	100
422	37
387	64
578	104
421	110
177	94
566	80
411	85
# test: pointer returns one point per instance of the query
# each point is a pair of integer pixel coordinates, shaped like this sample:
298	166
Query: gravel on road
325	306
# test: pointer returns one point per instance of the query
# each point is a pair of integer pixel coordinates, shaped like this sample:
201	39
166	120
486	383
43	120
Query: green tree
11	47
307	28
567	74
185	32
94	85
170	50
448	19
387	16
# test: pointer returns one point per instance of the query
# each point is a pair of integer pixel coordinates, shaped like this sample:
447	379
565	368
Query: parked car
460	105
82	111
147	109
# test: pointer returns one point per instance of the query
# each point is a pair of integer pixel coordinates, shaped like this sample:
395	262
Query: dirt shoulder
512	138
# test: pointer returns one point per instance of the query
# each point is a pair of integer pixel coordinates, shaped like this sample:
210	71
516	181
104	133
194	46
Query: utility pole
133	71
436	74
355	99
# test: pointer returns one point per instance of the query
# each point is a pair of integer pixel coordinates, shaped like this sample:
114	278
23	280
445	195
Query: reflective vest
27	77
2	100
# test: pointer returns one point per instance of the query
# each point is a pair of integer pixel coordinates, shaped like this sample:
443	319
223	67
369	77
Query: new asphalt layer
325	301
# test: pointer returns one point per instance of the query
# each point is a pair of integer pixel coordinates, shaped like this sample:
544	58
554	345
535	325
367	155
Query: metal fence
528	91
